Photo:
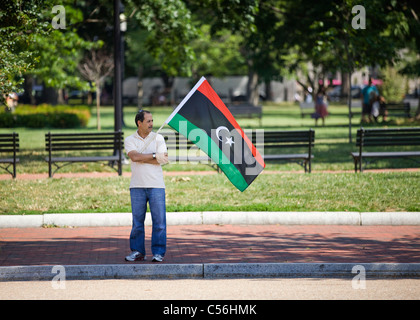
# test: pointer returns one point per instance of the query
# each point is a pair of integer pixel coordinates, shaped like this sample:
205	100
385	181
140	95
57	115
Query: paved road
220	289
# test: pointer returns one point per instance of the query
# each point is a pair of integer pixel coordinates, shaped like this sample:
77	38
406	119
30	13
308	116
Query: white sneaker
157	258
135	256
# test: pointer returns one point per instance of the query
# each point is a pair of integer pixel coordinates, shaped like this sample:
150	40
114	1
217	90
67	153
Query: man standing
367	94
147	151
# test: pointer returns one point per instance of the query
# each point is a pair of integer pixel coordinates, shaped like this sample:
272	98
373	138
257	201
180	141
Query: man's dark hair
140	116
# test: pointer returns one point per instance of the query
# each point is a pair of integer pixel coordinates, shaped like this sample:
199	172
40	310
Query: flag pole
160	128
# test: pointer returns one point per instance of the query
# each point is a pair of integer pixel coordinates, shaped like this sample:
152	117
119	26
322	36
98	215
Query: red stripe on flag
208	91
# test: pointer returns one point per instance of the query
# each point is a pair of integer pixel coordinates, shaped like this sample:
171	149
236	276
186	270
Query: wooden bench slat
287	156
88	134
8	150
69	147
9	160
397	154
83	159
111	139
7	139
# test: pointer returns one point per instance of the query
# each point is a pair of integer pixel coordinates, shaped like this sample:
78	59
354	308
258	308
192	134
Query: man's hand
162	158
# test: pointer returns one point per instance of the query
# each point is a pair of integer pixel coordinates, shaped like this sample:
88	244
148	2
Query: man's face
147	124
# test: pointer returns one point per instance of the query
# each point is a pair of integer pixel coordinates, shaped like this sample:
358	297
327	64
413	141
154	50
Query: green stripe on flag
185	127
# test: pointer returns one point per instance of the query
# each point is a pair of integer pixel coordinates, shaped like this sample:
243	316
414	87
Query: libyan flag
204	119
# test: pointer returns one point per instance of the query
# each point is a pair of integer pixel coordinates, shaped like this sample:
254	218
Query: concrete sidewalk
214	217
214	251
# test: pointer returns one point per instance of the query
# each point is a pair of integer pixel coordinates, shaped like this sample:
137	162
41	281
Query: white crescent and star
229	140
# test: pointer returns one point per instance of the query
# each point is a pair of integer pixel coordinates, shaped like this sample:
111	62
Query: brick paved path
215	244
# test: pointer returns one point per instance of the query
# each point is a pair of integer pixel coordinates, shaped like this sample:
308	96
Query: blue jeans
156	199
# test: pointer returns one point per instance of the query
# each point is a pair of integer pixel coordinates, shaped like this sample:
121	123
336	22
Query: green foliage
222	37
393	87
218	54
60	52
20	21
170	32
31	46
46	116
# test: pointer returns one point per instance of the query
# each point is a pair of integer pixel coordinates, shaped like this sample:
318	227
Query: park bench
401	109
9	144
88	147
384	139
245	110
288	141
307	108
269	147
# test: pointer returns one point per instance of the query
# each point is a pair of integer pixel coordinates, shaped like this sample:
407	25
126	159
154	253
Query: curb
312	270
211	271
91	272
215	217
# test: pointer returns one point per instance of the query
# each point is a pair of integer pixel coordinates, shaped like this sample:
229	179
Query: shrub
7	120
44	115
393	87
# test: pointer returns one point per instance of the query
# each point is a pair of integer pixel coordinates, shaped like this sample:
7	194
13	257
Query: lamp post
118	116
117	68
123	29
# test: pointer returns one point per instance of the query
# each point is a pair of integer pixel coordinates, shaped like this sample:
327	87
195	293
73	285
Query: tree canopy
264	39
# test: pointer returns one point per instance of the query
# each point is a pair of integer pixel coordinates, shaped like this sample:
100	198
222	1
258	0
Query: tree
97	65
34	45
20	22
327	29
411	65
60	52
218	54
238	18
159	39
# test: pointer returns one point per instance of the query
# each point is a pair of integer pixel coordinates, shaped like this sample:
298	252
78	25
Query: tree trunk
98	106
345	85
60	98
349	103
28	97
252	88
140	87
268	91
49	95
90	98
168	83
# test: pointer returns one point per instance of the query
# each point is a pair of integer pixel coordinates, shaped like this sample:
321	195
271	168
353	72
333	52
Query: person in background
321	106
379	107
366	101
11	101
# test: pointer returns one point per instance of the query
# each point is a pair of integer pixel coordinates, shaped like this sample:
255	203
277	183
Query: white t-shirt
146	175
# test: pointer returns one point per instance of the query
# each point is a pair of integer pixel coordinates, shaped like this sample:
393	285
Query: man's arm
144	157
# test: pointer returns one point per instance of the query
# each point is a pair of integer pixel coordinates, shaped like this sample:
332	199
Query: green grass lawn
287	190
396	191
